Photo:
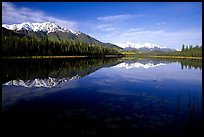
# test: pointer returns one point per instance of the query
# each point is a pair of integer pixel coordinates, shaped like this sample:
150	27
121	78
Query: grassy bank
176	57
38	57
44	57
149	55
124	55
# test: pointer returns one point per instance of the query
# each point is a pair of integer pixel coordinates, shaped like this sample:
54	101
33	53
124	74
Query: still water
102	96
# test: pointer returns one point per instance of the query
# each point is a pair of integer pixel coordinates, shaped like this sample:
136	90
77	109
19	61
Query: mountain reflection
154	62
47	82
50	72
186	63
146	65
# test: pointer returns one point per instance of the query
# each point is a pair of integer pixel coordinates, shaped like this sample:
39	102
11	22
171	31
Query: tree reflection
189	64
27	69
185	63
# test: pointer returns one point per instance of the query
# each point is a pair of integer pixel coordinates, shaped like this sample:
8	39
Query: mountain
45	27
146	47
53	32
7	32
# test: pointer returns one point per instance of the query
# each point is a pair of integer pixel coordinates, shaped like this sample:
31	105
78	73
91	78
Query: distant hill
146	47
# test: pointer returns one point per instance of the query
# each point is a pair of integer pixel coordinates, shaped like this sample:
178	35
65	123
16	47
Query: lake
101	96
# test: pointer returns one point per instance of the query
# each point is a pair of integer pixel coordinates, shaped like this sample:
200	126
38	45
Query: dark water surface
101	96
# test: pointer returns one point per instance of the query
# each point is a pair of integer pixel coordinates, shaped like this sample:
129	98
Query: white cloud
105	27
12	14
119	17
161	23
135	29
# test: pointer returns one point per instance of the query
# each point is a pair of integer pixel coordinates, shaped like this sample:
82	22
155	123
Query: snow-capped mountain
47	83
147	45
45	27
52	31
129	46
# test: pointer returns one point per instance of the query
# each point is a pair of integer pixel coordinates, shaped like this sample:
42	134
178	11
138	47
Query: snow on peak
128	44
137	45
75	32
149	45
137	65
45	26
47	83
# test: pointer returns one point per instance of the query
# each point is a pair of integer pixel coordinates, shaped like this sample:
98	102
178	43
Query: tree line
186	50
189	50
25	46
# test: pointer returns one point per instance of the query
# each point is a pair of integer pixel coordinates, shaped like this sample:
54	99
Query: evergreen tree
183	46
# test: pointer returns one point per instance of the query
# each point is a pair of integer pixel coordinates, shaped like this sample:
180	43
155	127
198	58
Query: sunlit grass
38	57
128	53
44	57
177	57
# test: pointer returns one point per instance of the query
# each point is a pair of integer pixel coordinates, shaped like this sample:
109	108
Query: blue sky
167	24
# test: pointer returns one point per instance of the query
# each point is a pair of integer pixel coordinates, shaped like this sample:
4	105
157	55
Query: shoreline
177	57
46	57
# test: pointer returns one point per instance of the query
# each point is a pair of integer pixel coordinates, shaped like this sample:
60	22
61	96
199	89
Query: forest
25	46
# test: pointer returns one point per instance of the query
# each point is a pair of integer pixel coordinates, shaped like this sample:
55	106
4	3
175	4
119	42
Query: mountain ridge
54	33
45	27
145	47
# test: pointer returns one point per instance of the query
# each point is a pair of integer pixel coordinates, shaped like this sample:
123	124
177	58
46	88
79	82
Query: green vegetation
57	57
188	52
25	46
176	57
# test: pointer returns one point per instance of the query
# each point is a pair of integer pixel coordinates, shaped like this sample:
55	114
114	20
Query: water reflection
35	78
28	71
51	72
185	63
143	64
47	83
103	96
